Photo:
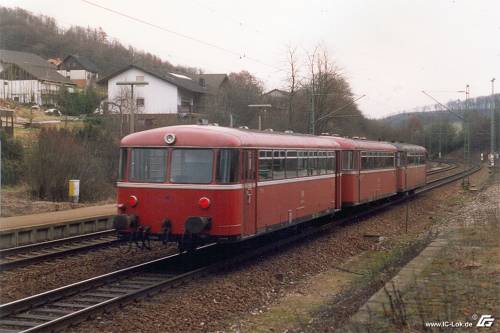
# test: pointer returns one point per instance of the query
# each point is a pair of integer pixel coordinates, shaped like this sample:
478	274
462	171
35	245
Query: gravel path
217	301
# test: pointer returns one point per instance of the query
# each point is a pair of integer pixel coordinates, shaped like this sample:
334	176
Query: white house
28	78
79	70
164	93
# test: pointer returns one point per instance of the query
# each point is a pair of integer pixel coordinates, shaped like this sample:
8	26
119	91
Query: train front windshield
193	166
187	165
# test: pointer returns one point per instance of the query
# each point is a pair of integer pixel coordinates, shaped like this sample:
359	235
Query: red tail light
204	202
133	201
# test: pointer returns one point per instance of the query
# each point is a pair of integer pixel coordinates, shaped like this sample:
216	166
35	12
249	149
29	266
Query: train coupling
197	224
125	222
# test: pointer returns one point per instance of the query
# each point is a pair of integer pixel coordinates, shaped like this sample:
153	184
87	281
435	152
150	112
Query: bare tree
293	82
121	104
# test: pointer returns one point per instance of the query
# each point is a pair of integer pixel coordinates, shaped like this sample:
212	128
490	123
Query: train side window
317	158
302	163
265	165
378	161
291	164
122	170
370	160
311	164
278	164
331	162
347	160
228	162
322	163
412	159
399	159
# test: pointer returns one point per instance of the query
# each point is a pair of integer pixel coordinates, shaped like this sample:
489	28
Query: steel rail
447	168
32	253
68	305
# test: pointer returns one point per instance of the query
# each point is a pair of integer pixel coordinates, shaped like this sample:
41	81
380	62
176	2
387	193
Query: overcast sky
389	50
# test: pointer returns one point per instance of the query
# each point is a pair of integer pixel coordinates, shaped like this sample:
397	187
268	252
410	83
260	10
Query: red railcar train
194	184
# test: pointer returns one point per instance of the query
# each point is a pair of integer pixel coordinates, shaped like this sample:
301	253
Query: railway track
33	253
65	306
29	254
447	168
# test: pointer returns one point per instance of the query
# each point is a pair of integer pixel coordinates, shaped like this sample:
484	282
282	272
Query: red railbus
368	170
411	166
194	184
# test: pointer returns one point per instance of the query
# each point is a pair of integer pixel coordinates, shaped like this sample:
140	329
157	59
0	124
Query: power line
238	21
178	34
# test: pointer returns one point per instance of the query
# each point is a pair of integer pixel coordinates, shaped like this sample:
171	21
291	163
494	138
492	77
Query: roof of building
85	62
276	92
216	136
213	82
34	65
178	80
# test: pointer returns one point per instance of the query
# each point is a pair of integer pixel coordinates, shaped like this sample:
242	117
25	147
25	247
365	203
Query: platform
28	229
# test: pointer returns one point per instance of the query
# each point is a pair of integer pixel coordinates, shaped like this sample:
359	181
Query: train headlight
169	138
133	201
204	202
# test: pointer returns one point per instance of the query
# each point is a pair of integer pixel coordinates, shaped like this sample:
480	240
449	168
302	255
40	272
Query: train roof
409	147
216	136
356	144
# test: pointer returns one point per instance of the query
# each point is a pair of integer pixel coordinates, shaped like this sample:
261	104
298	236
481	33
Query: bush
60	155
78	102
12	160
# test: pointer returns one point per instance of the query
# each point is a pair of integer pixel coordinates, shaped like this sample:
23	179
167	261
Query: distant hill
431	125
479	106
21	30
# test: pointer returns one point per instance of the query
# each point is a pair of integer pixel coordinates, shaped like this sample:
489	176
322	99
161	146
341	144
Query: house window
140	102
139	78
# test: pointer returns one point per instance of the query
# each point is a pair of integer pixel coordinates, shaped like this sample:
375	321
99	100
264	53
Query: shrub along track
73	303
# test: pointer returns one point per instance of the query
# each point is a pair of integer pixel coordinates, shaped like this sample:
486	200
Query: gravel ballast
218	301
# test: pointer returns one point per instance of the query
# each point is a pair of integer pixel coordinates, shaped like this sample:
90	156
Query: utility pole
466	182
492	120
260	107
132	103
464	120
440	122
313	121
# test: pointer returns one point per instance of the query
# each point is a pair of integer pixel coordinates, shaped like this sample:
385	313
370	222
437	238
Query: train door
249	180
357	158
401	171
338	179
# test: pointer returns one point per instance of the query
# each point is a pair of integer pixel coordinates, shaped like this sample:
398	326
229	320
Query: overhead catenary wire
241	55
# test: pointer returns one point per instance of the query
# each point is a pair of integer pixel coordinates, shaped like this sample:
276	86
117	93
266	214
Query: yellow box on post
74	190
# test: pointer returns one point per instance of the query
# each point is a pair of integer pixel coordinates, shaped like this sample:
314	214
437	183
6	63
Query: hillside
21	30
479	107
